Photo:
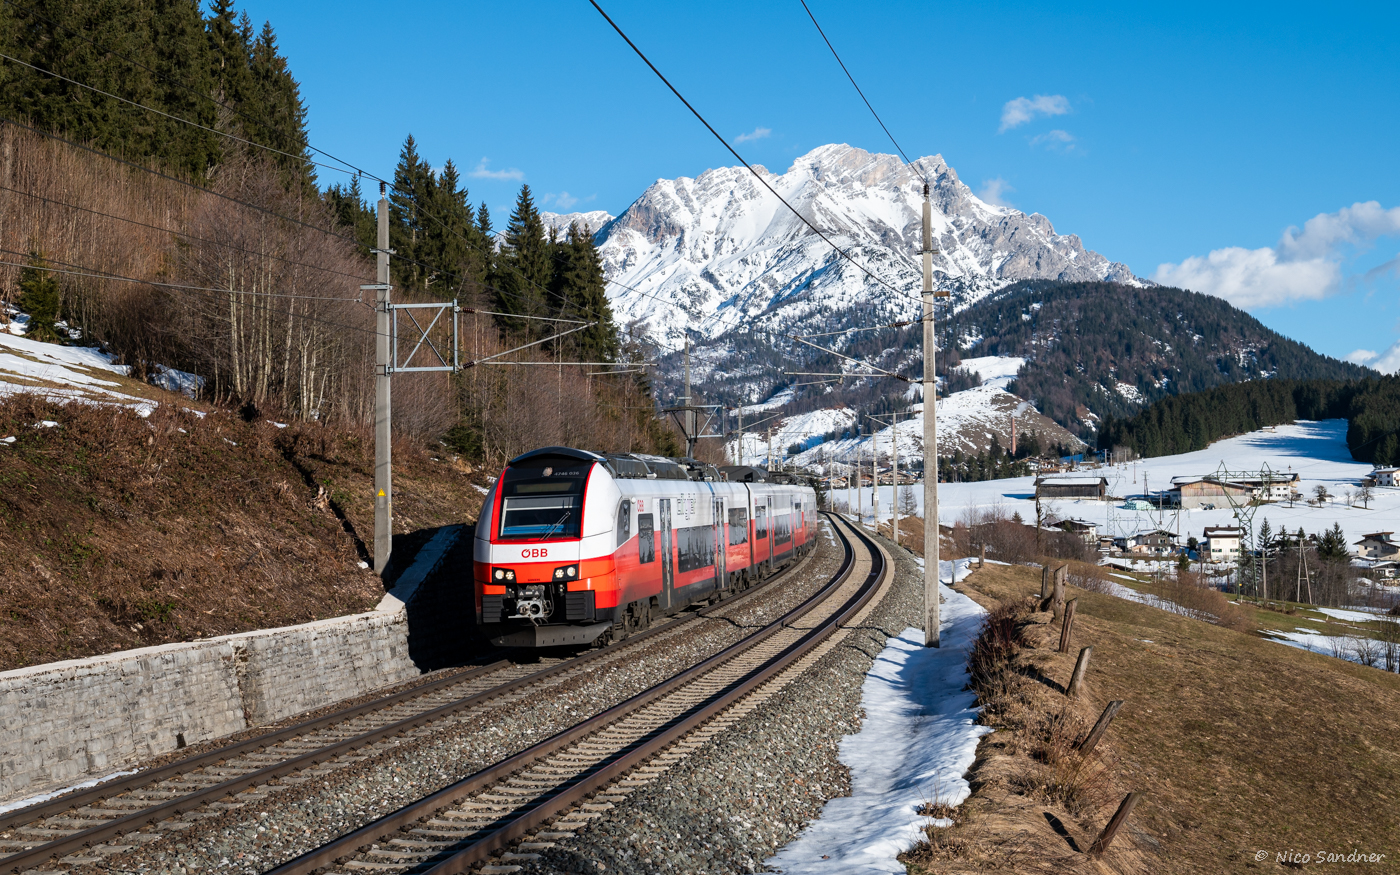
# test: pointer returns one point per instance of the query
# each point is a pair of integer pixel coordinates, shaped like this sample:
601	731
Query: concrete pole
690	438
383	369
875	477
860	487
931	608
741	433
894	450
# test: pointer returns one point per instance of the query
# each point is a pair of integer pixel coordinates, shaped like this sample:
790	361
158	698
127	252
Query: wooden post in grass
1092	739
1045	587
982	558
1114	824
1081	667
1057	599
1068	624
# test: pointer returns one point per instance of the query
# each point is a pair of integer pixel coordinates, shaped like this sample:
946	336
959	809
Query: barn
1070	486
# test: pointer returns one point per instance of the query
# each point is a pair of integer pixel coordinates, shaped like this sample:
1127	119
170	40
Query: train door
721	581
668	577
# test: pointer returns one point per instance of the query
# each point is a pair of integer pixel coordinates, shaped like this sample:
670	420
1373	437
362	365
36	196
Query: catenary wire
844	69
746	164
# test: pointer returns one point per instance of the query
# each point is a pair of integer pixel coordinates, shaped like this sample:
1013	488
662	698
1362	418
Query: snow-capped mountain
720	252
593	220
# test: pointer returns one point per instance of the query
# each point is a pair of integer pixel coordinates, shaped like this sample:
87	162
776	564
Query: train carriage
574	547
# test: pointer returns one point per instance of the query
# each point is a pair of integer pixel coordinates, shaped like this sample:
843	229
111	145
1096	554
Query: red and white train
572	545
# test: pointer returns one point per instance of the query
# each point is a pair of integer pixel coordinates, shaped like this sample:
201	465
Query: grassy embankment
121	531
1243	749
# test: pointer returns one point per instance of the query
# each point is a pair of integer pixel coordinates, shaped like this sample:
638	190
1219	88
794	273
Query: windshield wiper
554	528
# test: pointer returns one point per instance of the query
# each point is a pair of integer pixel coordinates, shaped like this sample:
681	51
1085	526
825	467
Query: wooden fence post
1045	587
1057	598
1092	739
1114	824
1081	667
982	558
1068	624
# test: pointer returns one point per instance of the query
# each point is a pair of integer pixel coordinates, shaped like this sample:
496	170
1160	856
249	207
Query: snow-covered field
917	741
1317	451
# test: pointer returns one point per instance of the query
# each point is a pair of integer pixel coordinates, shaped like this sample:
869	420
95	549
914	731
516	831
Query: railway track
67	829
537	797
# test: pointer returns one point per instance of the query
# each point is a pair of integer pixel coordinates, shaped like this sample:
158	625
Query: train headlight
503	574
500	574
566	572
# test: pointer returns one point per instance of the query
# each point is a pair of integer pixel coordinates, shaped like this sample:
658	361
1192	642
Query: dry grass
1238	745
121	532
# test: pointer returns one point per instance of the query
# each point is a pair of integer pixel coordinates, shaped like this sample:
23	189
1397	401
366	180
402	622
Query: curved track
467	823
76	822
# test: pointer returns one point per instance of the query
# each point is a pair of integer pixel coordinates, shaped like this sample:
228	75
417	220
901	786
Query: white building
1222	543
1386	476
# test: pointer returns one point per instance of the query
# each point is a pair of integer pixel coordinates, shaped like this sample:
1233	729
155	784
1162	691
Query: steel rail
575	789
18	862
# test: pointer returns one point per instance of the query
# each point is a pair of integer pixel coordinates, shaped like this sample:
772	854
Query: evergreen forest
167	142
1184	423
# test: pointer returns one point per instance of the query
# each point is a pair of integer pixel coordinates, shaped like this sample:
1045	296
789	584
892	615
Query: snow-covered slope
594	220
719	251
967	421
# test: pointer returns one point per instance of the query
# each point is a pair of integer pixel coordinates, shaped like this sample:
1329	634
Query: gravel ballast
278	822
734	803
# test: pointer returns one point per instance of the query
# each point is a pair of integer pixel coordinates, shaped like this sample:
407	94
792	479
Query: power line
177	118
104	275
94	273
746	164
184	234
834	54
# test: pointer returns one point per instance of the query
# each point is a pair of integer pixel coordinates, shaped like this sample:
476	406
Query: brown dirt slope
1250	755
118	531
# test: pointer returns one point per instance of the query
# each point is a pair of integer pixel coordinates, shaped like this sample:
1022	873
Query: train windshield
543	503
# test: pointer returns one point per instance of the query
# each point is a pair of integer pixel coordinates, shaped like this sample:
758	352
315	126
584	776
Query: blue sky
1192	136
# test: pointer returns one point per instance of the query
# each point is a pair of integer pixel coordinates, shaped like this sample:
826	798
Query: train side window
624	522
760	522
738	526
646	539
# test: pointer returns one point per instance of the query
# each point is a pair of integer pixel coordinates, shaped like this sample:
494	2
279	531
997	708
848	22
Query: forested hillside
1193	421
1098	350
155	166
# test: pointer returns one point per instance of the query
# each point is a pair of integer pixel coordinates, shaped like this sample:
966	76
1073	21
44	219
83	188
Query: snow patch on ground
17	804
918	740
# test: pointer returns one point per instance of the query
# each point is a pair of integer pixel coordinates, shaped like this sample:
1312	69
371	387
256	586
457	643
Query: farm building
1205	492
1070	486
1086	530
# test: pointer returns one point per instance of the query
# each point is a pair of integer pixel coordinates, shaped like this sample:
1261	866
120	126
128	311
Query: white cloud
1387	362
481	171
1021	110
1056	139
994	192
755	134
565	200
1305	265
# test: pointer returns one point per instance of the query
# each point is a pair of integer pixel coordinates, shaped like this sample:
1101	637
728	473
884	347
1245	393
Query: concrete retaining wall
65	721
68	721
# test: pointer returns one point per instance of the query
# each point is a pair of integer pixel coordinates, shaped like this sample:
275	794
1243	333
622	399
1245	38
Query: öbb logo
534	553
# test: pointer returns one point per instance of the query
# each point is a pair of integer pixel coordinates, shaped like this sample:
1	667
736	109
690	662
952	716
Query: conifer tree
411	192
40	299
524	268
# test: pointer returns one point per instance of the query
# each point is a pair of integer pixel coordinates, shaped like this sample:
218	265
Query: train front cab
544	565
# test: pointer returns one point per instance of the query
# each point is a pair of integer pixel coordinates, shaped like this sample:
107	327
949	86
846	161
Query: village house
1221	543
1383	477
1378	546
1210	492
1070	486
1155	543
1086	530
